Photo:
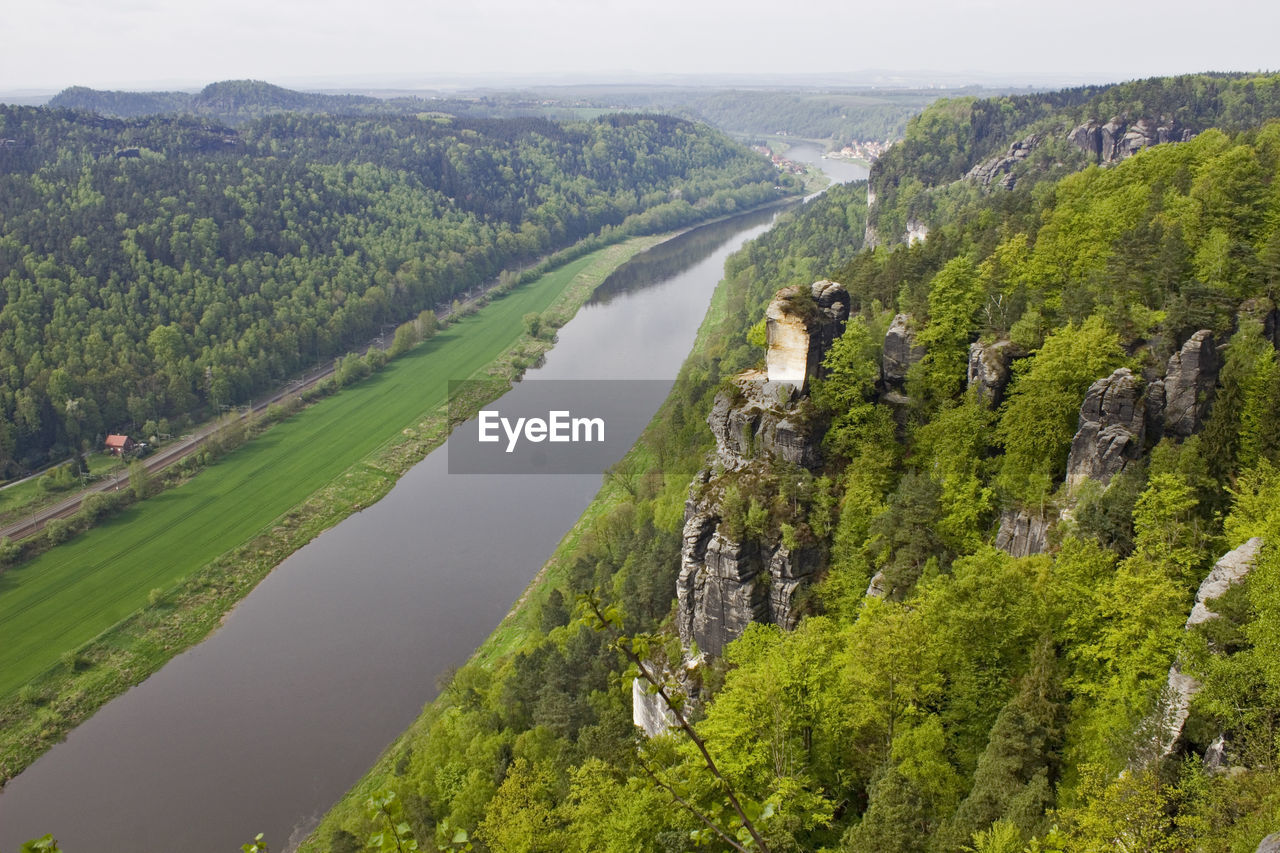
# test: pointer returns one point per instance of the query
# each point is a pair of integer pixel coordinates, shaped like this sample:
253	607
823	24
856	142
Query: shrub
58	530
10	551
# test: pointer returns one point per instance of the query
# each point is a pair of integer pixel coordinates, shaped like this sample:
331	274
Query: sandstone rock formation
1116	140
759	417
870	237
725	585
900	351
1112	423
1022	534
989	366
800	331
717	591
1181	687
1001	166
1188	385
648	711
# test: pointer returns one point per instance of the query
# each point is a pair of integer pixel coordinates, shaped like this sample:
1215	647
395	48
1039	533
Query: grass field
24	498
74	592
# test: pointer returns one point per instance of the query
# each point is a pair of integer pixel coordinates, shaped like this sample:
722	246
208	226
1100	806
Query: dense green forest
155	268
978	701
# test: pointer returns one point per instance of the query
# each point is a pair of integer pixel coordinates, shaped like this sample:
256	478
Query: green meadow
76	591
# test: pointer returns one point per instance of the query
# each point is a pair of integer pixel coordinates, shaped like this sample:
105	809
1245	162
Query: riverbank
184	611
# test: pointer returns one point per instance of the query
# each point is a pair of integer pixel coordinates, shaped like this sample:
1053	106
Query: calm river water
265	724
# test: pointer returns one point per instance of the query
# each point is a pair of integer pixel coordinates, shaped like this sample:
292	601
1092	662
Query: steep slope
959	149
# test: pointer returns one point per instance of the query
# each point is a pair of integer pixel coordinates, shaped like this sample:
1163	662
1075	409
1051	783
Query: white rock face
1227	572
1181	687
648	711
801	323
917	232
787	359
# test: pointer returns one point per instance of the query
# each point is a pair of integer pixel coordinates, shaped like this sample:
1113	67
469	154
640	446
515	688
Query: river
264	725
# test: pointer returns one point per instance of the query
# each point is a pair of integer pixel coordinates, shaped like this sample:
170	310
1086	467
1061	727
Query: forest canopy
154	268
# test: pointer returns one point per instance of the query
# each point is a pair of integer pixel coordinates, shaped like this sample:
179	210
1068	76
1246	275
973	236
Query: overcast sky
52	44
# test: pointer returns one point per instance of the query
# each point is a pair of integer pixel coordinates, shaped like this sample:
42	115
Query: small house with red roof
120	444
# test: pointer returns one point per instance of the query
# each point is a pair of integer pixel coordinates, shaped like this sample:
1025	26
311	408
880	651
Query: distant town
866	152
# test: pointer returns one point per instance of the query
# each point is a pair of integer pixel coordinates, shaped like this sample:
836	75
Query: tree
1039	417
955	295
896	821
522	816
140	481
1015	777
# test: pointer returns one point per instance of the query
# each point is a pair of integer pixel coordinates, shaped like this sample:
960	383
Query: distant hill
121	104
230	101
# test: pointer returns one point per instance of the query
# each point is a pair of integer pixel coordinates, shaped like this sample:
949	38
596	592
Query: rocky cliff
1022	533
1117	139
726	583
989	369
1182	687
1112	425
801	324
999	169
1181	401
1119	421
731	576
900	351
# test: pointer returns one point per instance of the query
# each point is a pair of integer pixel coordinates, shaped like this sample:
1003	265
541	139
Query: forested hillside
1082	371
920	180
152	269
839	115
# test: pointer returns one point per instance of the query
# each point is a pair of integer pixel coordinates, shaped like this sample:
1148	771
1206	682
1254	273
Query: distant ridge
231	101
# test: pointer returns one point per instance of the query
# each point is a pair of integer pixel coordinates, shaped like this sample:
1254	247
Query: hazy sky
133	43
